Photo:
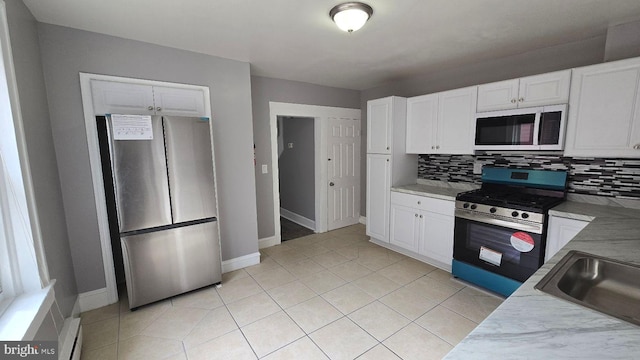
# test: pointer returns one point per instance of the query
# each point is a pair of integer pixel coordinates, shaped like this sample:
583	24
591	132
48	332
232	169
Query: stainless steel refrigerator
164	189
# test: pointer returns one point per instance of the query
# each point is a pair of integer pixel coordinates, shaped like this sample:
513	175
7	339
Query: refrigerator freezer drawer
165	263
190	168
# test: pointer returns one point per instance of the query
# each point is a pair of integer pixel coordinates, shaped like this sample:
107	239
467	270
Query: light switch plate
265	169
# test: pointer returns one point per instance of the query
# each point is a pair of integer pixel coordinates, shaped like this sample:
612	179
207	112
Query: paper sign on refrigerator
132	127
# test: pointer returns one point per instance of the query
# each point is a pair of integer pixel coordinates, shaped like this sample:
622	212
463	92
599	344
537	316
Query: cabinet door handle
150	108
432	147
437	146
420	216
331	184
387	148
416	215
636	146
158	108
513	101
521	99
419	203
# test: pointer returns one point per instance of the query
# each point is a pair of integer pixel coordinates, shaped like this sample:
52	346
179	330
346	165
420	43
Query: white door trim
320	114
96	166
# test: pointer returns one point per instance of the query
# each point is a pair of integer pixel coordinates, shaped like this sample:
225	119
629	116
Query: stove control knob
465	205
525	215
474	206
493	210
515	214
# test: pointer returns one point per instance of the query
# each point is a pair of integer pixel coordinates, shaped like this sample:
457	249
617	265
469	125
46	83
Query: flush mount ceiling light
351	16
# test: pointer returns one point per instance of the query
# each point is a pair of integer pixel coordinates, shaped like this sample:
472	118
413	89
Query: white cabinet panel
442	123
546	89
178	101
379	126
378	193
111	97
498	95
561	231
422	113
404	227
604	110
423	225
437	236
456	117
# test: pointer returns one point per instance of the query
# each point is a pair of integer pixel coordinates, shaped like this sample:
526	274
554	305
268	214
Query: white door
343	173
378	196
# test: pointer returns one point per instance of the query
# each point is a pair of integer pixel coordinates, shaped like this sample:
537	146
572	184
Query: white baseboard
363	220
298	219
240	262
269	241
93	299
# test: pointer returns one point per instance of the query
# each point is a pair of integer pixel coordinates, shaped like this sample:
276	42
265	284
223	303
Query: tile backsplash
618	178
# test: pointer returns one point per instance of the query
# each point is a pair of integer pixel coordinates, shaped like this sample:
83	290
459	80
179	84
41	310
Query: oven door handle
533	228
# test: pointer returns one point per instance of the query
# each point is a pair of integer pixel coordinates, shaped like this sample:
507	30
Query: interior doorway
296	176
321	115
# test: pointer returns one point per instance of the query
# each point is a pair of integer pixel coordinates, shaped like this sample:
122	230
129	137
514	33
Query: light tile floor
325	296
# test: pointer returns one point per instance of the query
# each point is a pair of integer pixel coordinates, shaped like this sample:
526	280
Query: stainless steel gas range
500	229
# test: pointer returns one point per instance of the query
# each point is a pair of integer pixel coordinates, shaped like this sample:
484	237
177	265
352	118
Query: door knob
331	183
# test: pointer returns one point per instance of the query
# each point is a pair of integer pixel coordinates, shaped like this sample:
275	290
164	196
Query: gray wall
296	167
40	146
623	41
66	52
538	61
264	90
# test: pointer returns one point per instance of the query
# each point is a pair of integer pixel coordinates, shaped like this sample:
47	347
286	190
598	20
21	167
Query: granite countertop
533	325
434	190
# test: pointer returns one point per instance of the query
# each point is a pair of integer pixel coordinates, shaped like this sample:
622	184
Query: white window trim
28	294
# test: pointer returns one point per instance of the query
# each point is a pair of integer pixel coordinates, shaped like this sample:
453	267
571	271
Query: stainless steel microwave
536	128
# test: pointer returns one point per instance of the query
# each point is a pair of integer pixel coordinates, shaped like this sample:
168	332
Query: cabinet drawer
444	207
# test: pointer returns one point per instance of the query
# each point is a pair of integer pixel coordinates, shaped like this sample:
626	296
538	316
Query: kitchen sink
605	285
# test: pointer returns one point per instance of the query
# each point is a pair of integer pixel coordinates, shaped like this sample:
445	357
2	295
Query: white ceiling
296	39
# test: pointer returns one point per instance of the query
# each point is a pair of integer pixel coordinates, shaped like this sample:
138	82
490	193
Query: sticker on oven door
522	241
490	256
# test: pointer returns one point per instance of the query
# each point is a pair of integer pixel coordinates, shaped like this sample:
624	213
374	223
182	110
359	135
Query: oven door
510	252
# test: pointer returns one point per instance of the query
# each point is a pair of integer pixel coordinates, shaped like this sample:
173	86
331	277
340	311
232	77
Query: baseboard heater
70	343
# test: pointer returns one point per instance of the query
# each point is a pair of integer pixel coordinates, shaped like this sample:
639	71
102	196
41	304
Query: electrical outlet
265	169
477	167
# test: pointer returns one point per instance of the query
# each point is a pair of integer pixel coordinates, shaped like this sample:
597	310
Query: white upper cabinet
545	89
441	123
498	95
422	116
122	98
178	101
110	97
456	121
380	125
604	110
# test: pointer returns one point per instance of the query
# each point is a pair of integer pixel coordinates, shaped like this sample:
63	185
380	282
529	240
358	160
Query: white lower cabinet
561	231
422	225
437	236
405	226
